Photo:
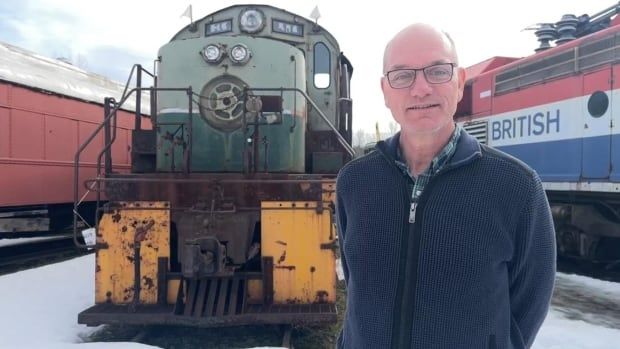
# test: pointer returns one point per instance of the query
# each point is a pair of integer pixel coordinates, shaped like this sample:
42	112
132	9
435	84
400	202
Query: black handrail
76	165
111	115
106	121
107	149
108	139
347	147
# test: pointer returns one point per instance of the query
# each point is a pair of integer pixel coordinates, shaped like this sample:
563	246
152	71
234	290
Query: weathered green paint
221	151
273	65
326	99
169	153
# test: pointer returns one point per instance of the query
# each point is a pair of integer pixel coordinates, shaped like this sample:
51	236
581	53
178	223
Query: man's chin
430	130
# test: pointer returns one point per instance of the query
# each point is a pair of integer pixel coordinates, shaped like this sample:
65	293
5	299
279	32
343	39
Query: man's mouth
423	106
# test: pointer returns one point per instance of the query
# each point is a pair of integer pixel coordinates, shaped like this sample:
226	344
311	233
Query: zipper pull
412	212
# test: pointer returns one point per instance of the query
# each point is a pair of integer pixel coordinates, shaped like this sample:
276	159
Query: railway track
28	253
213	338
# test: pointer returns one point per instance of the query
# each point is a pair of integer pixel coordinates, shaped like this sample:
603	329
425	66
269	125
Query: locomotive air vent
479	130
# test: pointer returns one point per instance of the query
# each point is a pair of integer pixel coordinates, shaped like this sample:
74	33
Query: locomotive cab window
321	65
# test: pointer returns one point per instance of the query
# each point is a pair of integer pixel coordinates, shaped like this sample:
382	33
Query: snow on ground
40	307
17	241
601	287
560	333
594	301
339	272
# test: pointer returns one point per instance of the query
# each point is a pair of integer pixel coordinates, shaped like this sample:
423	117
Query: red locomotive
557	110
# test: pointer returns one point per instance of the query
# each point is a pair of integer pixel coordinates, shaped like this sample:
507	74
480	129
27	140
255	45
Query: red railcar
47	109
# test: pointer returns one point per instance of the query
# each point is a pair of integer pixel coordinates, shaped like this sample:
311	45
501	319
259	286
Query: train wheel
568	240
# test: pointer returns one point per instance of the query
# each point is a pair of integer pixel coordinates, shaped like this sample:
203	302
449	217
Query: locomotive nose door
321	83
597	111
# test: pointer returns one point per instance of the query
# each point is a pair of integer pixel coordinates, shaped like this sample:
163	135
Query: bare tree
360	137
81	61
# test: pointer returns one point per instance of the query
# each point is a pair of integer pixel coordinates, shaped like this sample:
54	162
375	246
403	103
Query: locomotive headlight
212	53
239	54
252	20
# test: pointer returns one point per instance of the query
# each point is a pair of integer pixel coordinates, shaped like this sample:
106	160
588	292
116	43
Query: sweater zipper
402	322
406	290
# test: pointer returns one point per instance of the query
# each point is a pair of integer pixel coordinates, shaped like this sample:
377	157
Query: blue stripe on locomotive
573	160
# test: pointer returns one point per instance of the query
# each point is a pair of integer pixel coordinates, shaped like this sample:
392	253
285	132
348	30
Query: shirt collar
439	160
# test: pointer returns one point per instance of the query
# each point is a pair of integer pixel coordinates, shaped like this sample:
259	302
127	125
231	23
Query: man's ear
384	85
462	75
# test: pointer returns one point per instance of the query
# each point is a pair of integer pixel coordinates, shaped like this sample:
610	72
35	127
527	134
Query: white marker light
239	54
252	21
212	53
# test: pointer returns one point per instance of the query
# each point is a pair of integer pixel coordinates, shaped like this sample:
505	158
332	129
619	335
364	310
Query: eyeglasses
434	74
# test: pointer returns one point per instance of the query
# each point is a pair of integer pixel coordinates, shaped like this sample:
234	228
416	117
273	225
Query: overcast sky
107	37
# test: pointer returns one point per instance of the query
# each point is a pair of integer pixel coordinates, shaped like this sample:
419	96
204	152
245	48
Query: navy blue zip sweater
475	270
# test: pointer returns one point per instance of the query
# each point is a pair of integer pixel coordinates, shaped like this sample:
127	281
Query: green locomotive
226	216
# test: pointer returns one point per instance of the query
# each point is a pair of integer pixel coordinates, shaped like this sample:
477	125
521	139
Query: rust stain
141	231
148	282
128	294
289	267
124	229
282	257
281	242
312	269
116	217
321	296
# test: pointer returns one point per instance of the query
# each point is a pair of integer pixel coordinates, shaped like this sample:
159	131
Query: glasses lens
436	74
401	78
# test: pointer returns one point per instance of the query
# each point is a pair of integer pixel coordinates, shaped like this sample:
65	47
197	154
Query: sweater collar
467	149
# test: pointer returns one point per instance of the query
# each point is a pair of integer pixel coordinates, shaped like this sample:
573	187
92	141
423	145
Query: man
445	243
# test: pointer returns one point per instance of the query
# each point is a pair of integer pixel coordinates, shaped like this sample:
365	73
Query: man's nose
420	87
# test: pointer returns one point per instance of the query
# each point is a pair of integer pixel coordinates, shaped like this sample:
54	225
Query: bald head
420	33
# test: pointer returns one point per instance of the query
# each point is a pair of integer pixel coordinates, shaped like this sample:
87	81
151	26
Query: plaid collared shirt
436	164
